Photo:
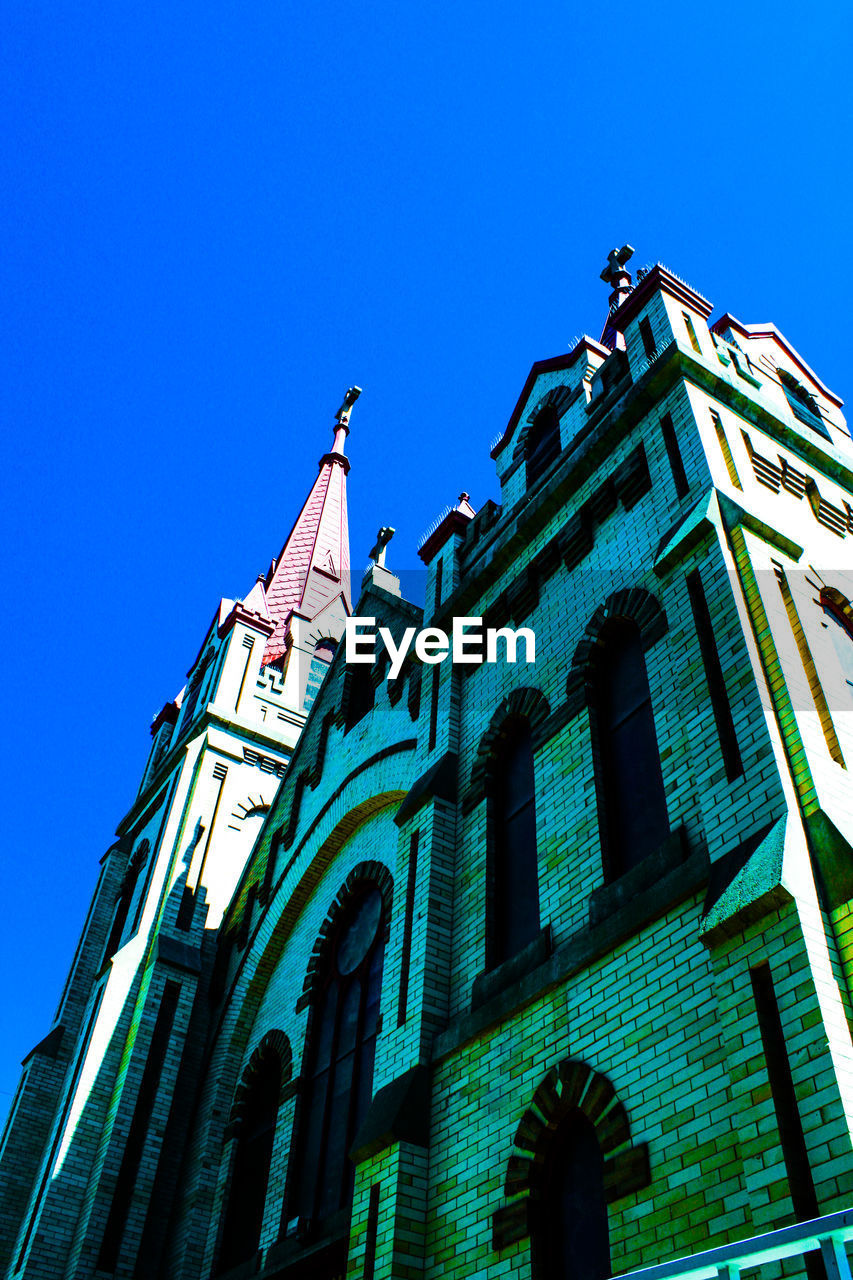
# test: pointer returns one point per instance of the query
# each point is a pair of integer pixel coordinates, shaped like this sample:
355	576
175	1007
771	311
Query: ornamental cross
616	260
349	400
383	537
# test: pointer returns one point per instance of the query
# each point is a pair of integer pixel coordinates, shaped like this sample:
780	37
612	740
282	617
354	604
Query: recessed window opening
325	649
691	333
338	1080
648	337
570	1228
247	1194
725	449
361	694
673	453
632	802
515	908
543	442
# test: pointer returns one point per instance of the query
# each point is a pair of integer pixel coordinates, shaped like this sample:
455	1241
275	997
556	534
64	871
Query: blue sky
217	217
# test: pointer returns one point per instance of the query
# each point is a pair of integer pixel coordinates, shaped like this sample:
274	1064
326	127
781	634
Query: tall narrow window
124	899
244	1213
791	1136
361	694
197	681
691	333
632	803
570	1230
673	453
543	442
138	1132
515	880
838	613
648	337
433	709
339	1061
726	450
714	675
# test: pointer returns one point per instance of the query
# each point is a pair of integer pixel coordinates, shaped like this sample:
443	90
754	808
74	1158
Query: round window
359	932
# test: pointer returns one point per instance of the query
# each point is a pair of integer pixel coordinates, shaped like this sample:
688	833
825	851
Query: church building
420	955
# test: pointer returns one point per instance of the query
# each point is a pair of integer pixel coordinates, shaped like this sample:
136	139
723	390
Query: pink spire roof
314	565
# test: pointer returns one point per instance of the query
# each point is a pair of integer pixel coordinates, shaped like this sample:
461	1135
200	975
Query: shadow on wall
124	1151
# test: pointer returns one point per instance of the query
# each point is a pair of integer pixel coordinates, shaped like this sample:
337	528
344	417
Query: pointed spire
314	565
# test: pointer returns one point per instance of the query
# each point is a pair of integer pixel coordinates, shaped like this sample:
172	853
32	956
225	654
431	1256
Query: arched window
515	880
338	1072
570	1232
247	1193
631	801
543	442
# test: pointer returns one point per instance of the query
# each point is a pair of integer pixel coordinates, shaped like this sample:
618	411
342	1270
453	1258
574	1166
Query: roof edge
564	361
769	330
659	278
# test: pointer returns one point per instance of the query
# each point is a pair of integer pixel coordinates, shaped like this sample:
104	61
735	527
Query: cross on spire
619	280
615	269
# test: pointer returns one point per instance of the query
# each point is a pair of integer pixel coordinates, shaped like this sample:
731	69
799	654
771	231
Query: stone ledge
48	1047
178	954
439	782
489	985
579	952
323	1244
613	897
399	1112
242	1271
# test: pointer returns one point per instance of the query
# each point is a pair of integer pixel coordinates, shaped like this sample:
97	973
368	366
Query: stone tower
135	997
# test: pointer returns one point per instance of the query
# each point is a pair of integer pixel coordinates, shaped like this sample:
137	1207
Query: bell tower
80	1154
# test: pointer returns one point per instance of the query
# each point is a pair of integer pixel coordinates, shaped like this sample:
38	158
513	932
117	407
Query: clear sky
217	217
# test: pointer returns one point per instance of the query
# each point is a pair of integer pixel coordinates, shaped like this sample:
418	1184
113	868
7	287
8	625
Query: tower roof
314	565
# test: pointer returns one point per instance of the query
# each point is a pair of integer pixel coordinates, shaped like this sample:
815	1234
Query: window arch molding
556	398
249	1138
273	1043
571	1086
634	604
375	873
526	703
